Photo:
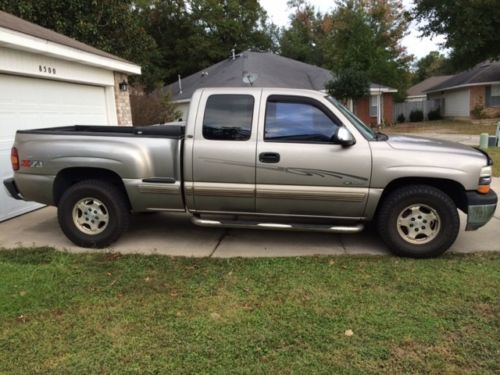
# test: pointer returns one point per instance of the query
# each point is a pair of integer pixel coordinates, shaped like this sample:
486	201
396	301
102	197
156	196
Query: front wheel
418	221
93	213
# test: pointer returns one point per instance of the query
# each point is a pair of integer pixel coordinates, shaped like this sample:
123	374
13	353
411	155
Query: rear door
224	149
301	171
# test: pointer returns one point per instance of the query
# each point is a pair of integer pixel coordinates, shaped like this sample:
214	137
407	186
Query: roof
486	72
267	69
420	88
11	22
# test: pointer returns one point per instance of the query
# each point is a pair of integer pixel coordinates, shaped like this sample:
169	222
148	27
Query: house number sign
46	69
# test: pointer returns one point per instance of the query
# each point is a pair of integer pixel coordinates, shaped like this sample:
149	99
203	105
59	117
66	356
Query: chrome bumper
480	209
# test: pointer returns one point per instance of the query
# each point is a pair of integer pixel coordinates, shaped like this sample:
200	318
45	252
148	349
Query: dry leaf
215	316
349	333
22	293
147	279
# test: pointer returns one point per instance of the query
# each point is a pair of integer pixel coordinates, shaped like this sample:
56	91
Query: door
29	103
300	168
224	148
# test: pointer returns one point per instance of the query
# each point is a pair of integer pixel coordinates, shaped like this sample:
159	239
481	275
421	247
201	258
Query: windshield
360	125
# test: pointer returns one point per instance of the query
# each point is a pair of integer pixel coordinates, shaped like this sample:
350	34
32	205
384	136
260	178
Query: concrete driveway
174	235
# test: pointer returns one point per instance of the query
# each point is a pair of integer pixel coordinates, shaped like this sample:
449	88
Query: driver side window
299	122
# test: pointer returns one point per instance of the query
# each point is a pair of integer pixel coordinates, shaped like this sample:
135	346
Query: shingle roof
421	87
270	70
481	73
14	23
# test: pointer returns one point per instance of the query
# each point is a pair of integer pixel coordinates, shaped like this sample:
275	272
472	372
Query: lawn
105	313
441	126
494	153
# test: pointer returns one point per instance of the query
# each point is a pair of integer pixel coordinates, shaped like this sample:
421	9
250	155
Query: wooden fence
407	107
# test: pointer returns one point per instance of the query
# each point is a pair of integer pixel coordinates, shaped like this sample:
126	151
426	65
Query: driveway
174	235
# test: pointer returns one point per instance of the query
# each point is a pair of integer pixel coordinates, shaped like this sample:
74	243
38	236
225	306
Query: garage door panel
29	103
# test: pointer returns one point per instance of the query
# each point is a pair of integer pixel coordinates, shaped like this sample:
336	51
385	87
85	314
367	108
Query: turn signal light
14	159
483	189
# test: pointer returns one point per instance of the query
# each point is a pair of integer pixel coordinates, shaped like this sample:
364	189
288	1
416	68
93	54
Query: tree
303	40
471	28
366	37
434	63
349	84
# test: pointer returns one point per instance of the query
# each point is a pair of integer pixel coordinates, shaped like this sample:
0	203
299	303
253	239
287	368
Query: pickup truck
261	158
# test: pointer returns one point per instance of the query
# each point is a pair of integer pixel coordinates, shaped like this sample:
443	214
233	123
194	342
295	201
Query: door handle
269	157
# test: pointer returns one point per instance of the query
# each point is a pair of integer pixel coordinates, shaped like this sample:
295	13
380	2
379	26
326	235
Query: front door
225	143
300	168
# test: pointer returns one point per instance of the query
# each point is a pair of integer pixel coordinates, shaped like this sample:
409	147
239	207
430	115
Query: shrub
435	114
416	115
401	118
152	108
478	112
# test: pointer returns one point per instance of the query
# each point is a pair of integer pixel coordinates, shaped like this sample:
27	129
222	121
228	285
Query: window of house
493	96
373	106
228	117
296	121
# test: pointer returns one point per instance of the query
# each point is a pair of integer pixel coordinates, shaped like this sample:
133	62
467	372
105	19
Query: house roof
268	70
420	88
11	22
486	72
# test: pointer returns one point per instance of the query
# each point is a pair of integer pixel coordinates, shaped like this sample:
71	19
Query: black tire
397	236
113	201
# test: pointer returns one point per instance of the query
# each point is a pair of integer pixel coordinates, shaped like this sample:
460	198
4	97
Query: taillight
14	159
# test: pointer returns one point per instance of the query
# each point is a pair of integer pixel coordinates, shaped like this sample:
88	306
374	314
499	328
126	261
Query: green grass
104	313
494	153
441	126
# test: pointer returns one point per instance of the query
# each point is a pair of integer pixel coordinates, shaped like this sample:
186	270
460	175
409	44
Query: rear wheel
93	213
418	221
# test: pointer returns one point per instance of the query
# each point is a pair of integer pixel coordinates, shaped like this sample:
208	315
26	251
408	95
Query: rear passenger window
228	117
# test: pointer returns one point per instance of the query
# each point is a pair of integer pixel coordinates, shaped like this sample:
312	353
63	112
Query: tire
418	221
93	213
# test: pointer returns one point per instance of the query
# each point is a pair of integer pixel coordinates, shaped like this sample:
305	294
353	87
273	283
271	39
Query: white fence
407	107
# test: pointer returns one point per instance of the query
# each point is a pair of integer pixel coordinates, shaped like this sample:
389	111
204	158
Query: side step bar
276	226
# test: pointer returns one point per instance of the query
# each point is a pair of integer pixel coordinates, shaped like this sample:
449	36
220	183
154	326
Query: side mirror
344	137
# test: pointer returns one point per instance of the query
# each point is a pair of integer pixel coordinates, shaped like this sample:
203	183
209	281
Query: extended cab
257	158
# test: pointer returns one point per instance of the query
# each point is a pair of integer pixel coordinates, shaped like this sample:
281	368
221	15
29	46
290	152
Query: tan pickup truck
257	158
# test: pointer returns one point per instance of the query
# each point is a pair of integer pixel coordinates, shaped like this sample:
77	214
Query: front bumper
480	209
11	187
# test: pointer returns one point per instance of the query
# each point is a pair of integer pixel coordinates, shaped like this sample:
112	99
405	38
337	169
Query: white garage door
456	103
29	103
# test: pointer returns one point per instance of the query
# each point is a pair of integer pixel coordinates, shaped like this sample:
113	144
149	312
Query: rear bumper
480	209
11	187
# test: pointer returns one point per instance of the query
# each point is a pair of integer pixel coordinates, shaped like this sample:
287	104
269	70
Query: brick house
267	69
470	94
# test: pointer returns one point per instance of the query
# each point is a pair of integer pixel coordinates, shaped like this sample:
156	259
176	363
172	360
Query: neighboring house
475	90
48	79
266	69
417	93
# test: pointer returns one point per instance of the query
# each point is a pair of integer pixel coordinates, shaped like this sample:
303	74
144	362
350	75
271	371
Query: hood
412	143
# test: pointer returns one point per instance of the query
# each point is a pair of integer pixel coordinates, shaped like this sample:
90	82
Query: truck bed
161	131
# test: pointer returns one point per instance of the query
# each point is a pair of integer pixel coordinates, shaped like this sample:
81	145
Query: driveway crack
219	241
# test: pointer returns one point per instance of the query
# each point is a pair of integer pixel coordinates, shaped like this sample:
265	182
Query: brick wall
362	109
478	98
122	99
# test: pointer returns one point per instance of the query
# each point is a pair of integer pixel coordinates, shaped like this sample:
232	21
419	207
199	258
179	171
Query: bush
152	108
416	115
401	118
435	114
478	112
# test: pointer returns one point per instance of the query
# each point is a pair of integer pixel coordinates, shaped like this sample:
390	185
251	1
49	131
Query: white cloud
279	13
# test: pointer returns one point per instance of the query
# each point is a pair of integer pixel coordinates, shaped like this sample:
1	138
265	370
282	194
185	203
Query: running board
277	226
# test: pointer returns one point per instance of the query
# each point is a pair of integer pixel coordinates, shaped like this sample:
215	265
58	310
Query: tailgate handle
269	157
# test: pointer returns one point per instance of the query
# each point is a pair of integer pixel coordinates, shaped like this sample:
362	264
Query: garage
47	79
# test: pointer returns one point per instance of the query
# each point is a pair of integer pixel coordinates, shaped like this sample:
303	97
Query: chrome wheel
418	224
90	216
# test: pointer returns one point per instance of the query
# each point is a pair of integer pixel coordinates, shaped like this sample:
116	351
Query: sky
278	12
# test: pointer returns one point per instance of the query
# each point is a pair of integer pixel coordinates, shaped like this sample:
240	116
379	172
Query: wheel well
453	189
70	176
